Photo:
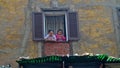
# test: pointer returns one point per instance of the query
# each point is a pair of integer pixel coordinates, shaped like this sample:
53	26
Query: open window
67	21
55	21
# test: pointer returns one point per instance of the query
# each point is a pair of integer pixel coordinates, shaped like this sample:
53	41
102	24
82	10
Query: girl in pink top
60	36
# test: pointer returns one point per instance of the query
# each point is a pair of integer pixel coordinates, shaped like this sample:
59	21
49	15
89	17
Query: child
60	36
50	36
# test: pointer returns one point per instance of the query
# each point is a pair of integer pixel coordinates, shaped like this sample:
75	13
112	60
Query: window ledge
55	41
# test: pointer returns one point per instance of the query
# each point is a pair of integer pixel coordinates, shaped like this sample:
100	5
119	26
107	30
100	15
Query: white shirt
48	37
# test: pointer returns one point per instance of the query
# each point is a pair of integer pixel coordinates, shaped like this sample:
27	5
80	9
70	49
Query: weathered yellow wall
95	27
12	20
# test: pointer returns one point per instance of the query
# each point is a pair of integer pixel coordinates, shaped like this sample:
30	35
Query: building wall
97	27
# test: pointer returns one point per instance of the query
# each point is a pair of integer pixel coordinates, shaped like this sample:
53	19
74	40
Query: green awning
71	59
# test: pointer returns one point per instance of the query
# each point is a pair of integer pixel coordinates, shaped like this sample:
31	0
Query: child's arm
54	38
46	37
63	37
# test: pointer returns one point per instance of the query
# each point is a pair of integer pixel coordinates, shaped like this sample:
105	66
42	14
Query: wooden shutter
73	26
38	26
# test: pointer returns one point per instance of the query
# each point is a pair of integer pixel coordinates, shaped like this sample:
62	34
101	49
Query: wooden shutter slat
38	26
73	26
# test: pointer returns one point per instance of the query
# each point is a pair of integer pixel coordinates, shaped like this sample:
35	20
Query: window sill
55	41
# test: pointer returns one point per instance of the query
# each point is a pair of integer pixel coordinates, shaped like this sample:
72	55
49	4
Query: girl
60	36
50	36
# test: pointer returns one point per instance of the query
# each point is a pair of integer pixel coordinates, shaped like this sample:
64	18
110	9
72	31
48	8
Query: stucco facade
98	30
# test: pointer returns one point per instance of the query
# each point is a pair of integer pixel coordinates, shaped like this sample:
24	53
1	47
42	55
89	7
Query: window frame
71	24
53	13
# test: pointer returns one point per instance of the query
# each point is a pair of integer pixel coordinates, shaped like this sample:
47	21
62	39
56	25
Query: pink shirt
60	37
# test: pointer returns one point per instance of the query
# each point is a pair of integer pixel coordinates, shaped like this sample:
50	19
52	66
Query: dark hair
60	30
50	31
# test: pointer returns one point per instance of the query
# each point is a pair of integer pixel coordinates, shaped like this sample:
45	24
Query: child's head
50	32
60	32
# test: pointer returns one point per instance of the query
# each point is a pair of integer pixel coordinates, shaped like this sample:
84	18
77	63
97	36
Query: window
55	21
67	21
